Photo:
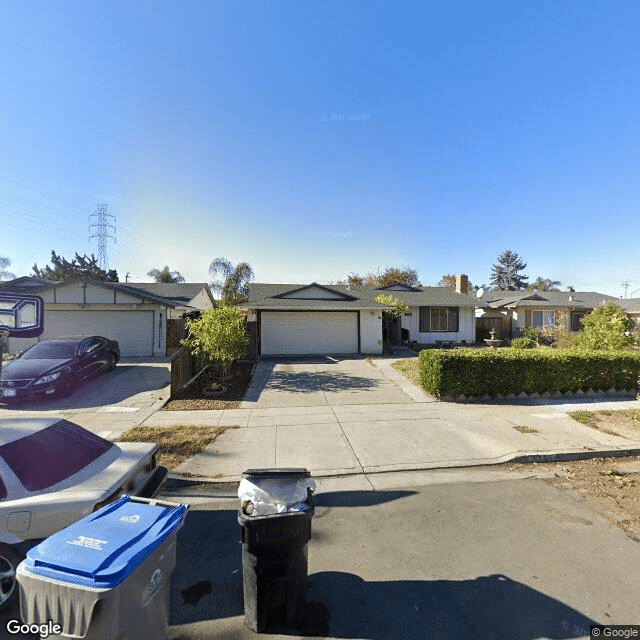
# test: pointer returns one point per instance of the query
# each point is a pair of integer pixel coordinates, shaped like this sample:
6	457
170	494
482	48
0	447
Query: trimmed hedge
445	372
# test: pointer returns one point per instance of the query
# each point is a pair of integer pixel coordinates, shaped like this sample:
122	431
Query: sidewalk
347	439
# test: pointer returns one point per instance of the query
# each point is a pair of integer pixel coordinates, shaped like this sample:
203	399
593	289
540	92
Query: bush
522	343
492	371
219	336
605	328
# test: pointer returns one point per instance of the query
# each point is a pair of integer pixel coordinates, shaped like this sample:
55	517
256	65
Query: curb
453	465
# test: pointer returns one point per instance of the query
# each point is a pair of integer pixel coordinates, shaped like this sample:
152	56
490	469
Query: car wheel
112	361
9	561
67	386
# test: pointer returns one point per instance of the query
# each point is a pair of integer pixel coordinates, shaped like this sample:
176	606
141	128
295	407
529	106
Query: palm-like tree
4	263
233	282
544	284
165	275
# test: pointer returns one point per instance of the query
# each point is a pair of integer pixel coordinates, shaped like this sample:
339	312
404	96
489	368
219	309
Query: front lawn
409	369
623	423
177	443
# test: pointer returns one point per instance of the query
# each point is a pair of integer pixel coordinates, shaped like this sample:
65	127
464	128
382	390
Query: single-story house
145	318
509	311
313	319
631	306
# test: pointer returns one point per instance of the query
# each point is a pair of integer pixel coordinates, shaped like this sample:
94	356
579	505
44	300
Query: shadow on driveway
283	375
302	381
491	606
108	388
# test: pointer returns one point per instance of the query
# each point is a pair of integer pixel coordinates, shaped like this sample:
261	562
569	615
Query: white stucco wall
370	332
466	326
110	322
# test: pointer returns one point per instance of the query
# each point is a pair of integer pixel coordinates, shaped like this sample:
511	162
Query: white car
53	473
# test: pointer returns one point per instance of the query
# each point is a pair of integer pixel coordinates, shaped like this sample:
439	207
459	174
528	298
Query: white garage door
302	333
132	329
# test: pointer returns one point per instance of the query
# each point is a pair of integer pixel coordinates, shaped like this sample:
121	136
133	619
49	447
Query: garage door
132	329
308	333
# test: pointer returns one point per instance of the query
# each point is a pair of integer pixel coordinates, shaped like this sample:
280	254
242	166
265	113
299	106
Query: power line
25	217
34	205
47	232
46	195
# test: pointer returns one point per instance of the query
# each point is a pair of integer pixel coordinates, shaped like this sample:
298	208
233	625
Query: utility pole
625	285
103	226
126	277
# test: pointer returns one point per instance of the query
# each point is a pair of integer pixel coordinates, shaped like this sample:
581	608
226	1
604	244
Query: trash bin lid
265	474
104	548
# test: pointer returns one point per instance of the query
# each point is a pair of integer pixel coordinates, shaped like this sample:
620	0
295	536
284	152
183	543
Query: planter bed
192	398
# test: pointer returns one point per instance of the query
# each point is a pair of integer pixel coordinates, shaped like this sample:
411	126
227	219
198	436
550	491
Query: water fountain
493	342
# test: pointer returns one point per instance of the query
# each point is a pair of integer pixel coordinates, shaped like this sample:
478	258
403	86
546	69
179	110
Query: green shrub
219	336
523	343
605	328
492	371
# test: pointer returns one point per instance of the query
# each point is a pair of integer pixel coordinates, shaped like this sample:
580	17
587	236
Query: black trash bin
274	557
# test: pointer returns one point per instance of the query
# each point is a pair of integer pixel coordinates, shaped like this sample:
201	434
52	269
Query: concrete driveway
320	381
357	416
109	403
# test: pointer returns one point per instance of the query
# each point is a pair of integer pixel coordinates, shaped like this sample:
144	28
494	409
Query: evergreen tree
506	276
79	267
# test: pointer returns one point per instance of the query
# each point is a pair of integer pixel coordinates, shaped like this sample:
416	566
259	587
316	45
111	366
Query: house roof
631	305
274	296
544	299
179	292
423	296
168	294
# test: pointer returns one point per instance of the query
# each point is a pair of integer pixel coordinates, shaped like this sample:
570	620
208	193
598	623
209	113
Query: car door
89	358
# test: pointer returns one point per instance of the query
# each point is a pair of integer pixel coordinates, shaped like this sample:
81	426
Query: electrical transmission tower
625	286
102	224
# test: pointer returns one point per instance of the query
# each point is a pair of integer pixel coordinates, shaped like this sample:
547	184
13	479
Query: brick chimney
462	283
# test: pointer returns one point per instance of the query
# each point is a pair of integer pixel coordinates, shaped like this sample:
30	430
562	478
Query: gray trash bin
107	576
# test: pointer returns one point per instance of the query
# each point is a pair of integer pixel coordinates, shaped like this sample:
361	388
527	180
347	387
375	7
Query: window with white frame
543	318
439	319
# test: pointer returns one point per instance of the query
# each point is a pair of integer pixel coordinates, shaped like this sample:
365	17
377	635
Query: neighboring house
314	319
509	311
631	306
144	318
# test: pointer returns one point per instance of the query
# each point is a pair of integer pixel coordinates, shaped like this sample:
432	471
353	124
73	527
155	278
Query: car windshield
51	455
51	350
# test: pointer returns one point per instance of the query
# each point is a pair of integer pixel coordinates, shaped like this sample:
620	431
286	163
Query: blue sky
316	139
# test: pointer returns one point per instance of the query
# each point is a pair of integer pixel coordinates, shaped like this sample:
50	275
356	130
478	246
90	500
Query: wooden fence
182	369
502	325
176	331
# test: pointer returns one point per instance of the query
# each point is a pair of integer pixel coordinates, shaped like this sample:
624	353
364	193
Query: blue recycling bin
108	575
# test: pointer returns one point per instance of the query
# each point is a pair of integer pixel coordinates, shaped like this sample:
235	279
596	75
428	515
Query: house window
576	316
438	319
543	318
